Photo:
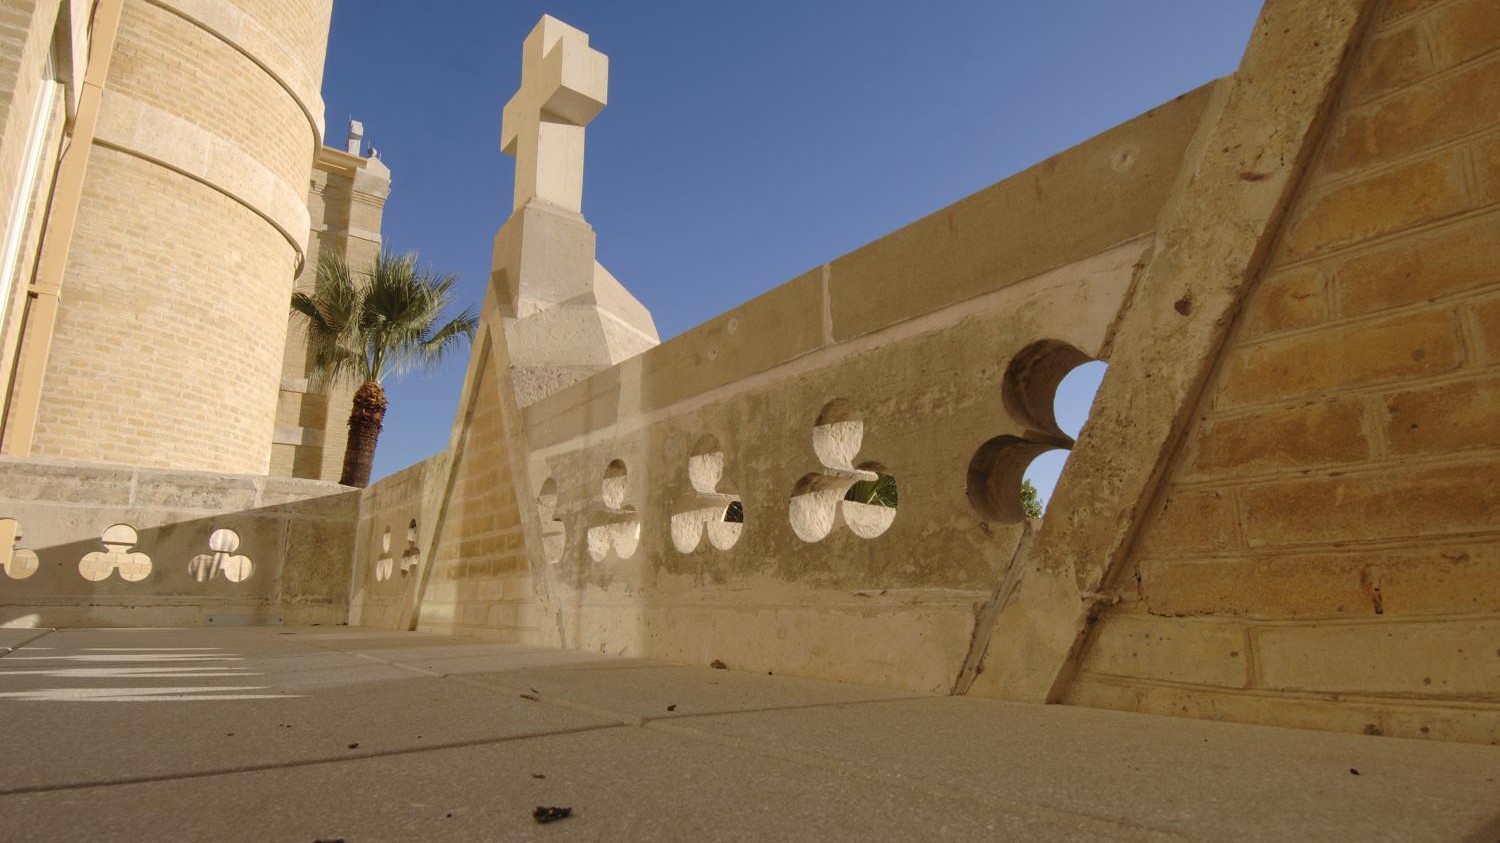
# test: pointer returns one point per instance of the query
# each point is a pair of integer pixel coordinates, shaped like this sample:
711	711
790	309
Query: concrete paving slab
113	715
650	693
161	735
1211	781
622	784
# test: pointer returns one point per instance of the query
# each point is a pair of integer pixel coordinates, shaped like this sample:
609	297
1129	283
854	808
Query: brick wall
165	349
480	582
173	312
1323	553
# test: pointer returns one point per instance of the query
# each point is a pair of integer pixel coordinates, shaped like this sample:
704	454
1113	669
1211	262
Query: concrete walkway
328	734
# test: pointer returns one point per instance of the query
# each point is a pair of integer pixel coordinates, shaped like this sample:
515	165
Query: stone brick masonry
1335	507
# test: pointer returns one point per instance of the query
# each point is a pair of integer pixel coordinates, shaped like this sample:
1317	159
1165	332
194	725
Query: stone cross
564	84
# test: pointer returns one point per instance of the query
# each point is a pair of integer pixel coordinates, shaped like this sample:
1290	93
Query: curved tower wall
192	227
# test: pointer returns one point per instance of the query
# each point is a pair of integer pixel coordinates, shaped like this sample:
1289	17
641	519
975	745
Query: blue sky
745	142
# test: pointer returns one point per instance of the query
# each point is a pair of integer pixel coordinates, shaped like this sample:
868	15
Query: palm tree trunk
365	421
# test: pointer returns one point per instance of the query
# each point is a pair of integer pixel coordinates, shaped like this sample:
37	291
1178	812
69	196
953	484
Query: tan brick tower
346	199
191	225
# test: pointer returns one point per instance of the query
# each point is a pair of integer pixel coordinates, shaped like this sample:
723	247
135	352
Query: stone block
1100	193
1278	587
1486	316
1195	652
1396	9
1285	300
1323	433
1464	30
1445	418
314	498
781	325
1488	152
1389	201
1439	579
1432	579
319	560
27	480
1392	504
1392	60
577	409
501	615
1406	347
1324	715
1450	658
1431	722
1418	118
216	492
1453	259
1192	521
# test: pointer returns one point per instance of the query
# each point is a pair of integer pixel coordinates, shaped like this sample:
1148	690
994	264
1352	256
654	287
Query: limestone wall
907	340
388	554
1283	507
192	226
1324	553
288	560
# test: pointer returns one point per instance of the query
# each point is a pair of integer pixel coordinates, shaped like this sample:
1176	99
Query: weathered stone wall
193	223
298	536
908	339
480	582
1283	509
387	554
1324	552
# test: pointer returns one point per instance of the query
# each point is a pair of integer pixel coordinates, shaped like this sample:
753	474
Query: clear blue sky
745	142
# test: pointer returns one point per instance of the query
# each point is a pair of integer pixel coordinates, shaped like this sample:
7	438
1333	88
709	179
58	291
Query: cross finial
564	83
356	137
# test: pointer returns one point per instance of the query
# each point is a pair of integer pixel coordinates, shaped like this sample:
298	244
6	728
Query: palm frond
382	323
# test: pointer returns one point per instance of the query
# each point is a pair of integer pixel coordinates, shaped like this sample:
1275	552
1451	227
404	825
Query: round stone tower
193	224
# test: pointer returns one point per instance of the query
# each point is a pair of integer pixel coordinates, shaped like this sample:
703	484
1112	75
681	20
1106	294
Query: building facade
156	158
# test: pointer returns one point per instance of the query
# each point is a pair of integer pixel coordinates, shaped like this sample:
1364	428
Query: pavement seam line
42	632
310	762
622	716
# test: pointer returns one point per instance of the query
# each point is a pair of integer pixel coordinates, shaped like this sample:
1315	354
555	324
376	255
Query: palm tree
382	325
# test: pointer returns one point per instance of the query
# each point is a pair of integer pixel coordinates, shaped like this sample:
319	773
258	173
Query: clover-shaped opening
864	496
384	564
712	506
1048	389
412	555
869	506
838	433
118	555
616	484
615	528
17	562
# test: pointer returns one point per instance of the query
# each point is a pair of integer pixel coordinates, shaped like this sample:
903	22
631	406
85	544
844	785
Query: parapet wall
907	340
1282	509
285	557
